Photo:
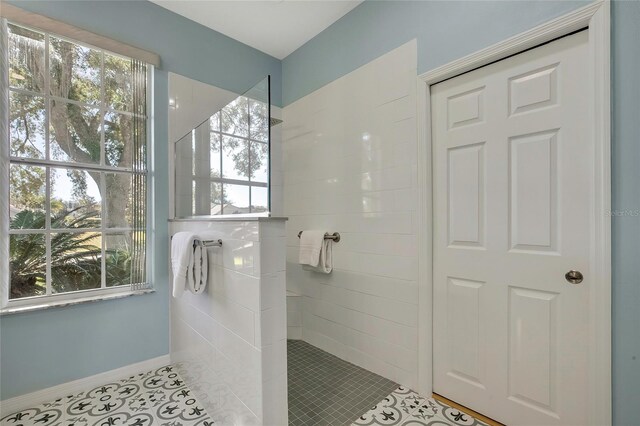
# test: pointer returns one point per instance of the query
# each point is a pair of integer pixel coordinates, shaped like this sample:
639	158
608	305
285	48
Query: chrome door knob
574	277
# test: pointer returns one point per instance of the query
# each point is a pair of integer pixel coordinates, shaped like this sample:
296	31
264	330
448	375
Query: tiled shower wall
350	166
232	337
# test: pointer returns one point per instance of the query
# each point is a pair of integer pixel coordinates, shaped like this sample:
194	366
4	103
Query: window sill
10	310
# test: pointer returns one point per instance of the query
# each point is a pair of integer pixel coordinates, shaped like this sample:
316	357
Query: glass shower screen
222	166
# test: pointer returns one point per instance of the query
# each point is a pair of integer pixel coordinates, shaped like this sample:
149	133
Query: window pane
124	258
236	199
75	133
75	71
216	198
259	199
235	158
26	59
125	200
235	117
76	261
118	83
259	116
118	139
75	198
27	265
259	162
27	197
27	126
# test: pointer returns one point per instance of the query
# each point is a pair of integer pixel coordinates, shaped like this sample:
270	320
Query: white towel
181	260
310	247
315	252
199	273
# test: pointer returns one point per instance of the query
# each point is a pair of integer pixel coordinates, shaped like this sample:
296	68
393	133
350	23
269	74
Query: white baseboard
32	399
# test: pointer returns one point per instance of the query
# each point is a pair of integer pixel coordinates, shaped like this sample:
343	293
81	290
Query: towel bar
335	236
207	243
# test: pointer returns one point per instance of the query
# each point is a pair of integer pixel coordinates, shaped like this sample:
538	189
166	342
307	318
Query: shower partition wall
222	166
229	341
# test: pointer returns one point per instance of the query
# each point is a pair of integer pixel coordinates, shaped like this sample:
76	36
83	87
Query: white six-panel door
513	193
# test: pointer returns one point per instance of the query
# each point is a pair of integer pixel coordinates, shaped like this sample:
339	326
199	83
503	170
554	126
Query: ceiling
276	27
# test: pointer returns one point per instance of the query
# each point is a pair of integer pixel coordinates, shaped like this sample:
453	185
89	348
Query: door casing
595	17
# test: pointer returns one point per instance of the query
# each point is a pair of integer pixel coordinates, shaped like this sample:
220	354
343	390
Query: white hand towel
181	258
198	279
316	252
310	247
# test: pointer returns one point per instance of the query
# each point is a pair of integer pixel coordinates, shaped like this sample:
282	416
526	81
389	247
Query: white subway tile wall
349	155
233	336
294	316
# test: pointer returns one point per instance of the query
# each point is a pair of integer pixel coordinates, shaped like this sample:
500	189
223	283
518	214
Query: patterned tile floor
325	390
405	407
157	397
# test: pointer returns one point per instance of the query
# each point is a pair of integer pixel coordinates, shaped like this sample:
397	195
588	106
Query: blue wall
445	30
46	348
449	30
625	102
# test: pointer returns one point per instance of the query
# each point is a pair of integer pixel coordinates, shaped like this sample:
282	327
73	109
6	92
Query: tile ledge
231	219
70	302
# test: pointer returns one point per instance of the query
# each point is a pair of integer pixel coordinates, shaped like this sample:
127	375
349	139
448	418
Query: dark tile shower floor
325	390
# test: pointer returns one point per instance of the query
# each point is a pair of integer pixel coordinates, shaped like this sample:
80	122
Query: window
77	166
224	162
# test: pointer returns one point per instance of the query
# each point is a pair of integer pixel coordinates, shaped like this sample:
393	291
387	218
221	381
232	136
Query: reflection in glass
259	162
75	71
214	156
259	199
27	192
236	199
214	122
75	133
28	265
259	120
235	158
75	198
26	126
75	261
216	198
218	162
26	59
235	117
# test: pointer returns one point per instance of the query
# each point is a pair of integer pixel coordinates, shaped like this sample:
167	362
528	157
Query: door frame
594	17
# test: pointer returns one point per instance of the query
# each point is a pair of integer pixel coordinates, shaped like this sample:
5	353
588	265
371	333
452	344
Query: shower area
273	341
230	339
244	346
349	152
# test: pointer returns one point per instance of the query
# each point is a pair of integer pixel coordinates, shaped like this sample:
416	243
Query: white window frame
8	306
